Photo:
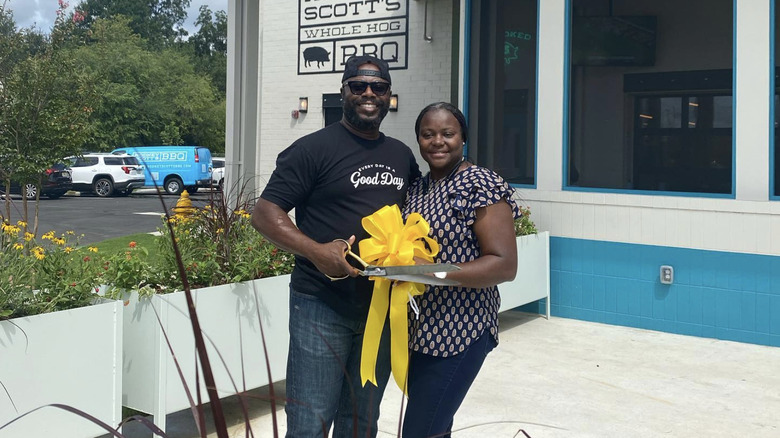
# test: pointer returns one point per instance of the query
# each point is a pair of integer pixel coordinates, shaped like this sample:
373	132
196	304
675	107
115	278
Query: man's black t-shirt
333	179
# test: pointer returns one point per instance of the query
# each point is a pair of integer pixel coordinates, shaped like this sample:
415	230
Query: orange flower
132	244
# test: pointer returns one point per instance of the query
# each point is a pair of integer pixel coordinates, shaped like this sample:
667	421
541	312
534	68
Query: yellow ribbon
392	243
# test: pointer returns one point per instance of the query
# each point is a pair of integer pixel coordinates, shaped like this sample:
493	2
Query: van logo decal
164	156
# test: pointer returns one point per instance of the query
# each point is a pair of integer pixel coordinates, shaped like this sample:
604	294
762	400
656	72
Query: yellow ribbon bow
392	243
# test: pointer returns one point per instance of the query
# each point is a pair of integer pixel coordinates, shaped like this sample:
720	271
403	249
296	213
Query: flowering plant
524	225
217	245
130	270
44	275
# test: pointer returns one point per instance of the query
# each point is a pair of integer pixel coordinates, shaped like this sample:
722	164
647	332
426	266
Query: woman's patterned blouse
452	317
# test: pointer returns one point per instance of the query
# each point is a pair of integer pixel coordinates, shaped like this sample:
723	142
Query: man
333	178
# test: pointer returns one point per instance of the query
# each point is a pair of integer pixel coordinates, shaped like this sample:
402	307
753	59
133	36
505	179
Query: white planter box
229	320
532	281
69	357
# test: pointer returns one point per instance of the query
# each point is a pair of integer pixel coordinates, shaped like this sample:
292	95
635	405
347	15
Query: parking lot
102	218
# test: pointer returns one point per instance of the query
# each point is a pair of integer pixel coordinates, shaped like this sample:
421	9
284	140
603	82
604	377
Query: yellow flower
28	236
48	236
70	233
38	252
68	250
21	223
59	241
220	230
18	246
10	230
92	249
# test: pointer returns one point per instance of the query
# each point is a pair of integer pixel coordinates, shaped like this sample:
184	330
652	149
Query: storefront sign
330	31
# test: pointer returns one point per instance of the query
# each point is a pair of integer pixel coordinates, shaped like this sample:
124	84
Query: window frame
471	79
566	135
773	71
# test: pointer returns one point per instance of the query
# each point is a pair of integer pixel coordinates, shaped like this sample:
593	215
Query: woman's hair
464	130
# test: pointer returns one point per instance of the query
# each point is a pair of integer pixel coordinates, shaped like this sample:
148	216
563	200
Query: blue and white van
173	168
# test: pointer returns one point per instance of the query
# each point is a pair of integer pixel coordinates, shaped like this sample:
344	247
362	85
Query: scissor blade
385	271
424	279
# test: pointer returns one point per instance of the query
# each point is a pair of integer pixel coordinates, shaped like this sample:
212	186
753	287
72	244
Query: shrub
131	270
524	225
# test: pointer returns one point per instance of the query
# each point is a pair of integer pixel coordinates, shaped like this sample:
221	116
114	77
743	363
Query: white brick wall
427	79
700	223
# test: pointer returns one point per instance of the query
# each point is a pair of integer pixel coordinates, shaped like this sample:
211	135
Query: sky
41	13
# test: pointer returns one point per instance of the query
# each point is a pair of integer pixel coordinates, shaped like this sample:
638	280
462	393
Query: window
502	99
683	143
651	96
84	161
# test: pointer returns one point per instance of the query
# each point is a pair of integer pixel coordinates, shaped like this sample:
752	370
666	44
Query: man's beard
350	113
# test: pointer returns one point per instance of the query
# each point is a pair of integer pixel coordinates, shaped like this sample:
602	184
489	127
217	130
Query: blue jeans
438	385
323	373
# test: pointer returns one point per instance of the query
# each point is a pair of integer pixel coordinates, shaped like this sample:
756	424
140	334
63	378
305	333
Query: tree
45	106
157	21
16	44
211	37
209	46
147	97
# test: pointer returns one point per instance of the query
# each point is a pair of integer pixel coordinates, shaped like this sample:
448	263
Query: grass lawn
119	244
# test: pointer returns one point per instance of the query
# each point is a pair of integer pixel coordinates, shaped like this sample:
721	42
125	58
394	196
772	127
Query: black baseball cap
351	68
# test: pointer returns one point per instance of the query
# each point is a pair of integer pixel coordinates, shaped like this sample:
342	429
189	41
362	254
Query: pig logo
316	53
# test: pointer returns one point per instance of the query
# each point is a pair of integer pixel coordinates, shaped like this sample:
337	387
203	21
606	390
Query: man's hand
329	259
274	223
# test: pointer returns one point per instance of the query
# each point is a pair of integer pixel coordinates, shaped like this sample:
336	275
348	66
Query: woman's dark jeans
437	387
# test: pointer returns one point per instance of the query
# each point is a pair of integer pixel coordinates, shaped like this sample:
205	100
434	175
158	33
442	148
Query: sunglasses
359	87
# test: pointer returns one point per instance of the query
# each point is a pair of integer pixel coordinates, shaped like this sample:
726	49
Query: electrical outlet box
667	274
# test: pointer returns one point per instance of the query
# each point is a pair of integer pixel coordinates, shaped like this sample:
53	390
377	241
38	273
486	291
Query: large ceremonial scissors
411	273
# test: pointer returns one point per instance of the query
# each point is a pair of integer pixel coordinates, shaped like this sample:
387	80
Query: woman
471	212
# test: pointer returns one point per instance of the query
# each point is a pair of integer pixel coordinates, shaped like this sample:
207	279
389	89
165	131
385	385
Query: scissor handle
347	252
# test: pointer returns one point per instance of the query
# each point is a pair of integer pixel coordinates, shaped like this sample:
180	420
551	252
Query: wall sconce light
303	104
393	102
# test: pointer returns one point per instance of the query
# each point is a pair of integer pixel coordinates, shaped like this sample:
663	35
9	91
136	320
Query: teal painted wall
721	295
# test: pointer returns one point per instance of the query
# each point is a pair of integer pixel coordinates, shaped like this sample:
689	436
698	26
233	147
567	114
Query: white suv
106	174
217	172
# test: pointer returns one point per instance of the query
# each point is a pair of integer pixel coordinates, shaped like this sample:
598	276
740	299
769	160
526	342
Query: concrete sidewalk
568	378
